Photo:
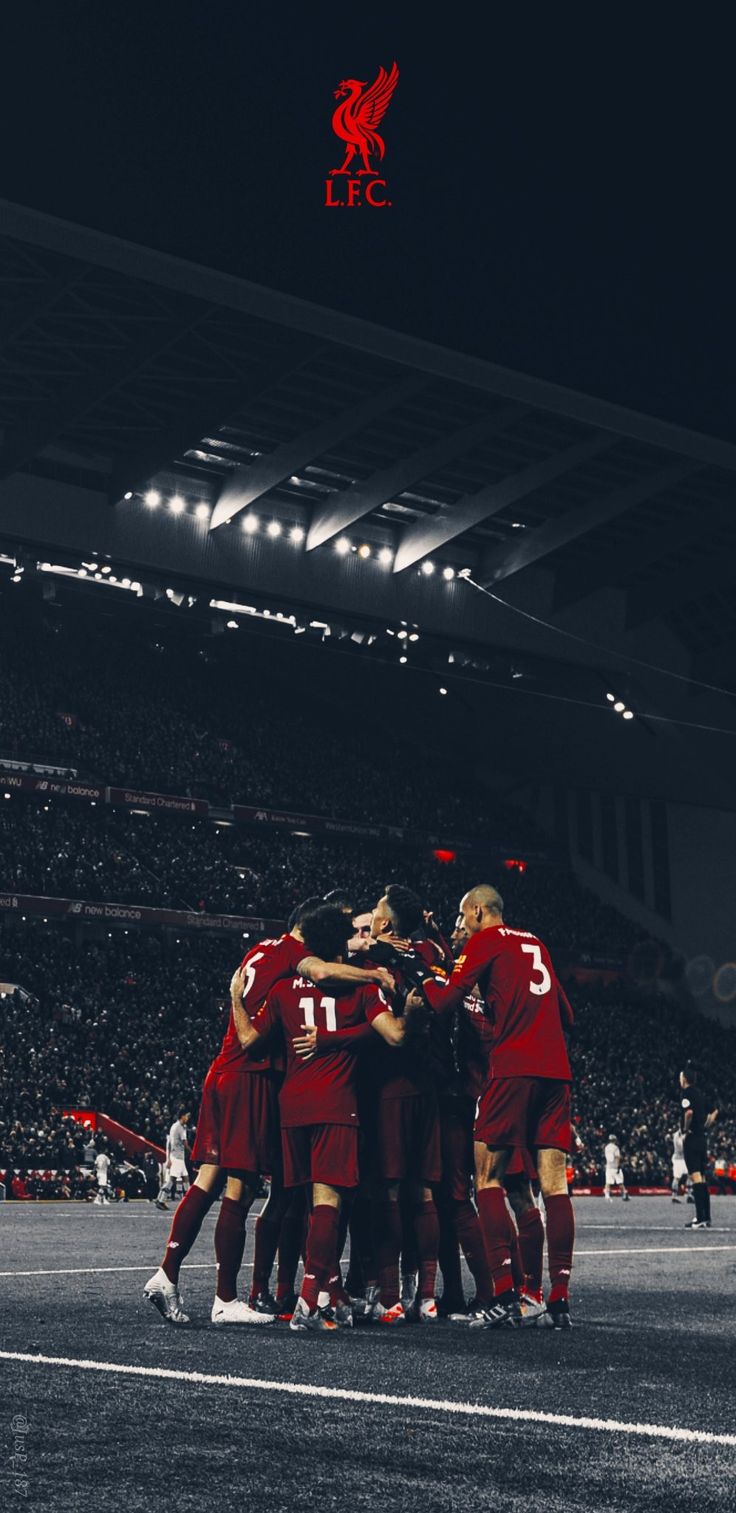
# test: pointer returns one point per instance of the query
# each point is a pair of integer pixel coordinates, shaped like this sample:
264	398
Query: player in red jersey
403	1132
318	1102
238	1132
526	1100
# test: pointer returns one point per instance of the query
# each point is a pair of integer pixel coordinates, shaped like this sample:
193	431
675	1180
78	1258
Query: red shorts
238	1124
320	1153
456	1143
527	1112
404	1139
520	1170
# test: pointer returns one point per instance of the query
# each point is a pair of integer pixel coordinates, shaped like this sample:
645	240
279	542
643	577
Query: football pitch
105	1406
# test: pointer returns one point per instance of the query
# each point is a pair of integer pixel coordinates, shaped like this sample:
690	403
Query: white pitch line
649	1250
81	1271
381	1399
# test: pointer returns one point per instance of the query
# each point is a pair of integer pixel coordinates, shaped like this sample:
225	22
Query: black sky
561	177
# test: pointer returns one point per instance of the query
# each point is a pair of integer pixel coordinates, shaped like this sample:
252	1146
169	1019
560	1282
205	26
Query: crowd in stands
128	1026
73	851
125	709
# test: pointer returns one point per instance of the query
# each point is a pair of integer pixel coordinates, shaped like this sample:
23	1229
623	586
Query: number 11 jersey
321	1090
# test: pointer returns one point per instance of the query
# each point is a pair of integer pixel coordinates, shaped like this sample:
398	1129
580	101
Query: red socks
560	1241
494	1221
470	1235
387	1233
517	1270
188	1220
321	1259
268	1230
229	1246
291	1245
531	1243
427	1232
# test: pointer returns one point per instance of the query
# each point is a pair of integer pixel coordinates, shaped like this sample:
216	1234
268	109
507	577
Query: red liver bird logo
361	110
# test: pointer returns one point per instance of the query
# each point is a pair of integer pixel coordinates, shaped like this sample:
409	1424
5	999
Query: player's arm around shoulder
383	1020
244	1028
319	972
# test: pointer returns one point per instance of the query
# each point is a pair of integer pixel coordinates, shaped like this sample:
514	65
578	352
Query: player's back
523	998
265	964
320	1090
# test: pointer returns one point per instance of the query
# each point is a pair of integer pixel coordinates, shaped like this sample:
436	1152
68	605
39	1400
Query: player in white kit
679	1165
102	1168
177	1148
614	1174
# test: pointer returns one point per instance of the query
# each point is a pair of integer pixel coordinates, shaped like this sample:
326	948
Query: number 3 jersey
521	997
322	1090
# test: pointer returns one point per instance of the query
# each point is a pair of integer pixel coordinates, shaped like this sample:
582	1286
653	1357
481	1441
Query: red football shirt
320	1091
264	965
404	1071
521	997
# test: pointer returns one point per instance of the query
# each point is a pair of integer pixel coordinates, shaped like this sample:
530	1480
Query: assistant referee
695	1118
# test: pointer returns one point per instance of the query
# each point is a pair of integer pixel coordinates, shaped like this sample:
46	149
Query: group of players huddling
382	1084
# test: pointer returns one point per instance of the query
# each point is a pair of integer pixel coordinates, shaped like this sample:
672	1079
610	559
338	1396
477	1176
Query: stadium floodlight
428	568
403	659
619	706
402	634
342	546
232	624
250	524
628	714
296	534
611	698
443	690
385	556
273	528
202	511
177	505
105	568
448	574
128	495
414	636
152	498
364	550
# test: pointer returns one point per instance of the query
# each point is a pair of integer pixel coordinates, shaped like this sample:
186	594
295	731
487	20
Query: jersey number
328	1004
545	983
250	972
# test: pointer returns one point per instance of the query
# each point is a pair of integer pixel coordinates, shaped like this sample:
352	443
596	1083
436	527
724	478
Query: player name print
362	106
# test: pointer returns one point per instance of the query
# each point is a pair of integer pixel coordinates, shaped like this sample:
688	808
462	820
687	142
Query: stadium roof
124	370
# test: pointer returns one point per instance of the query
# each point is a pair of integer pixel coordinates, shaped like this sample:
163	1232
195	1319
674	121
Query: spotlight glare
129	494
177	505
297	534
619	706
611	698
152	499
250	524
628	714
402	634
232	624
273	528
414	635
443	690
342	547
403	659
448	574
202	511
364	551
428	568
384	556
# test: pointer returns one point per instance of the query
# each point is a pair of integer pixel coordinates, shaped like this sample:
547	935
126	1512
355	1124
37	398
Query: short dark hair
326	929
297	914
405	907
341	900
